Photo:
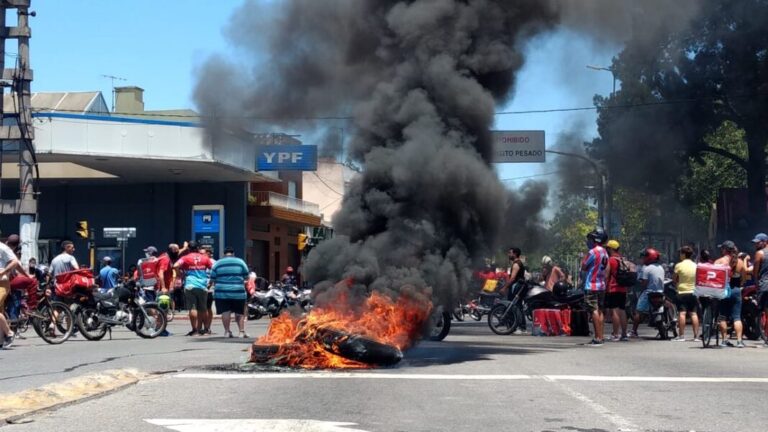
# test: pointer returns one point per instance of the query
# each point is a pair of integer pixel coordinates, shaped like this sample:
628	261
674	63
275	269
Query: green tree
683	84
709	173
568	229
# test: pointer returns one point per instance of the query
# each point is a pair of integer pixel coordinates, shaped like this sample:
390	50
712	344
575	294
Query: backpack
626	274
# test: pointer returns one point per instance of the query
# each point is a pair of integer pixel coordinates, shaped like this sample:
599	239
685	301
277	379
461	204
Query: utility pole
16	126
601	186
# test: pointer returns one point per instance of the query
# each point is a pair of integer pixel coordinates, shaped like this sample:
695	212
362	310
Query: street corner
14	407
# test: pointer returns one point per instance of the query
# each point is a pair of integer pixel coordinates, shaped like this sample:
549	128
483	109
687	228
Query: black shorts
595	300
230	305
209	301
687	303
617	300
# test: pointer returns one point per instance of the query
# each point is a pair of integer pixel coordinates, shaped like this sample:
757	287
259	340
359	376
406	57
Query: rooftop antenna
112	78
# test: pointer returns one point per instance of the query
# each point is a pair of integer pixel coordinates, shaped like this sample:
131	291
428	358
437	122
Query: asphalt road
474	380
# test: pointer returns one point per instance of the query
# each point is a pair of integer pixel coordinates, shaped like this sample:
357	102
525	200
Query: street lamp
607	69
599	174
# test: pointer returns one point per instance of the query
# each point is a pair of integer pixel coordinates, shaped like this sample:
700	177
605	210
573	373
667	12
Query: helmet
598	235
650	256
289	269
612	244
546	261
164	302
560	289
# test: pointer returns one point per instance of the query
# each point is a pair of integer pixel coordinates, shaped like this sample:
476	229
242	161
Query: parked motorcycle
122	306
508	315
663	314
270	302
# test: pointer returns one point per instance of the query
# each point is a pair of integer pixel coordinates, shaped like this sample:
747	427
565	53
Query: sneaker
595	343
192	333
206	332
728	343
165	333
624	339
518	332
740	344
633	334
228	334
679	339
615	338
724	344
244	335
8	341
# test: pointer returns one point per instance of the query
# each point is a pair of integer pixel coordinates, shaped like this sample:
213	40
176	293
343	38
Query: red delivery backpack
712	280
67	283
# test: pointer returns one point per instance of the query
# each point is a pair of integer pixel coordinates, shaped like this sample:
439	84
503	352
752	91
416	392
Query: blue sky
158	44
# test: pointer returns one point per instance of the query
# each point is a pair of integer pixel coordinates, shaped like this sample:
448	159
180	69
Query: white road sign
518	146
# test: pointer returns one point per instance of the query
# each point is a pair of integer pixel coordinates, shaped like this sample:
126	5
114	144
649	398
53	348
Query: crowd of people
606	277
182	276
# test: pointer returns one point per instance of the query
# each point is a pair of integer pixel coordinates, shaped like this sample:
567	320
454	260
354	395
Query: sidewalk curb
15	407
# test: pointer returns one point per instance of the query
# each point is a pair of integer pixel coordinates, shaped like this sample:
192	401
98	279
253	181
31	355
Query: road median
16	406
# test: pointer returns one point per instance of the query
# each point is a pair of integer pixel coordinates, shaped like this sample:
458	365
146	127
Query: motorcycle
270	302
663	313
508	315
122	306
305	299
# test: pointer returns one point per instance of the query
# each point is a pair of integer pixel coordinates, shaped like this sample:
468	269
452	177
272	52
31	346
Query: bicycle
51	320
710	321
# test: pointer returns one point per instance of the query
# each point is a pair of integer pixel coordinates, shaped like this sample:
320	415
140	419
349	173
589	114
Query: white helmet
546	261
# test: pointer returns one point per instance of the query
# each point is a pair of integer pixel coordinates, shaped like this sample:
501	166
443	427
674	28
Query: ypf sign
286	158
518	146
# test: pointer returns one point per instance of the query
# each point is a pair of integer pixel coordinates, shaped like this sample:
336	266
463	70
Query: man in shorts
229	280
616	295
594	270
687	303
195	266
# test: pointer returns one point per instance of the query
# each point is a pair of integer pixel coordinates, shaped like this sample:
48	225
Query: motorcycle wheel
458	314
441	327
501	324
254	314
475	315
152	325
56	317
89	324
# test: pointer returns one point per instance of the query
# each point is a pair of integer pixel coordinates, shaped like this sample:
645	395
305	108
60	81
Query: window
292	189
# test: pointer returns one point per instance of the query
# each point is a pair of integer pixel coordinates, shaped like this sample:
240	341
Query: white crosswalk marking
252	425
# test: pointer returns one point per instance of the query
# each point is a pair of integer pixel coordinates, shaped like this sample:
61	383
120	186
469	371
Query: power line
530	176
327	185
340	117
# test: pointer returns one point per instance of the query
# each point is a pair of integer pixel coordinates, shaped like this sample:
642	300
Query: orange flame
398	323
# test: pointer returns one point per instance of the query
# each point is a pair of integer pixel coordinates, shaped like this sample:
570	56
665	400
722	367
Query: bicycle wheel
708	325
151	325
54	322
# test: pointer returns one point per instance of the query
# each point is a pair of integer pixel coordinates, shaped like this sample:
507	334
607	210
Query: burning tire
358	348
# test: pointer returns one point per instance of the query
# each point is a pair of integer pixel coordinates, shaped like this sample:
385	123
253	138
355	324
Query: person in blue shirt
108	275
229	278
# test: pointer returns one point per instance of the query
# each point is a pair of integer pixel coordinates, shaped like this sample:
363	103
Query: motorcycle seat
99	296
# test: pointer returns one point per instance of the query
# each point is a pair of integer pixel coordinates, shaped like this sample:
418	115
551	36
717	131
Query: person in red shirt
616	295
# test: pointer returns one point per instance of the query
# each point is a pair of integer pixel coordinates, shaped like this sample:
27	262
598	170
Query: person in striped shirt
229	278
594	270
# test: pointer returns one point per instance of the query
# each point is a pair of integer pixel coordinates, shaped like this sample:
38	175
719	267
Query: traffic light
303	241
82	229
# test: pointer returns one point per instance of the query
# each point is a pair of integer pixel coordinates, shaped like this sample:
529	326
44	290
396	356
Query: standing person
108	276
147	269
289	277
195	266
515	282
760	275
65	261
8	262
705	256
652	280
208	250
687	303
730	307
551	273
229	281
616	294
594	268
165	272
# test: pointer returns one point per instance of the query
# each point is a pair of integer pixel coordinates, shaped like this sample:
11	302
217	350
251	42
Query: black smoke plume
420	81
